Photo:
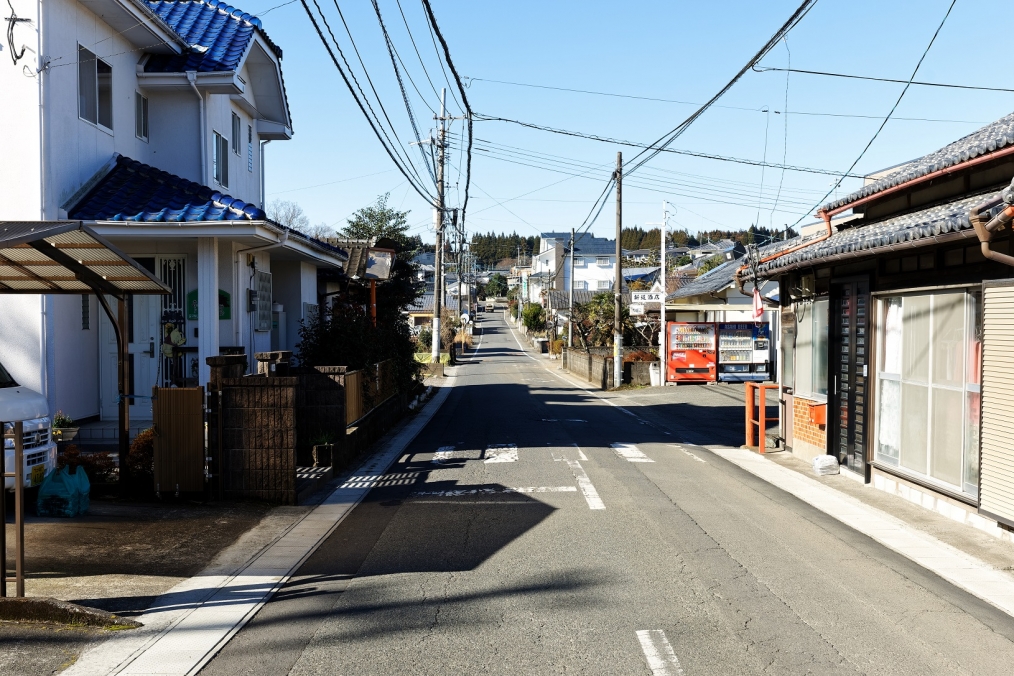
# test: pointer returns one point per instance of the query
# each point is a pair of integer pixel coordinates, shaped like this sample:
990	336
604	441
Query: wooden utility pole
438	223
618	287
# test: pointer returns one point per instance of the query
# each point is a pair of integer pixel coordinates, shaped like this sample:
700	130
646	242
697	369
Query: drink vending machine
691	352
744	352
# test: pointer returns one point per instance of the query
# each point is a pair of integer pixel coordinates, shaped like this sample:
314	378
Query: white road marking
581	455
658	652
630	453
501	453
550	420
691	454
443	454
576	420
591	495
492	490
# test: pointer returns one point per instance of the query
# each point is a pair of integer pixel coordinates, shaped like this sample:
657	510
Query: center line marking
501	453
630	453
443	454
658	652
591	495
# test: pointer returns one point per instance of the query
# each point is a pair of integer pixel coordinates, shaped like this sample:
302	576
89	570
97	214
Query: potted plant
63	427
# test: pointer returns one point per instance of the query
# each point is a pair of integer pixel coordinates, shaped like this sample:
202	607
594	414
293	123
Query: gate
178	414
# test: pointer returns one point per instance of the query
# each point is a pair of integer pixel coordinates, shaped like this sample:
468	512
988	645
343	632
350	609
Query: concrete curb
53	611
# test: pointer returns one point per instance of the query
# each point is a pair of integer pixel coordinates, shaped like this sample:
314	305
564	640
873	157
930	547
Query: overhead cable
884	79
889	113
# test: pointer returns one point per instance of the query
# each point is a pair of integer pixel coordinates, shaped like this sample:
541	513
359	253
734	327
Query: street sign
636	309
646	297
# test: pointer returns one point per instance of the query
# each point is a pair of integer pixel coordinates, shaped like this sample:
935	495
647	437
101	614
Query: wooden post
373	302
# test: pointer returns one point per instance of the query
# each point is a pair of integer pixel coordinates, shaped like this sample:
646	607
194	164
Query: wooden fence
367	389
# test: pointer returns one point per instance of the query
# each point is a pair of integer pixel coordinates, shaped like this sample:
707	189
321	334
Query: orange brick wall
802	429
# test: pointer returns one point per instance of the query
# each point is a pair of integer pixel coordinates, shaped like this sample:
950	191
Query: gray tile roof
585	243
925	224
560	299
990	138
723	276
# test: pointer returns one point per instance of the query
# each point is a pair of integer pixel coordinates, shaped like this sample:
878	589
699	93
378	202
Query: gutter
984	229
802	245
192	77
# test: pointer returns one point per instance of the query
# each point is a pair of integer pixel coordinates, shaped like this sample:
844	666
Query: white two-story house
147	120
594	263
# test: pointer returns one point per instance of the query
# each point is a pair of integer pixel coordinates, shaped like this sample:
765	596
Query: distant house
148	120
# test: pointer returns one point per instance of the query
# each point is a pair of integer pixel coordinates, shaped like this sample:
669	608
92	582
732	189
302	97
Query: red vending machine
691	352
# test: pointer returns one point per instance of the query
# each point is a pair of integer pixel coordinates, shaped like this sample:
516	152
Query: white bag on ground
825	464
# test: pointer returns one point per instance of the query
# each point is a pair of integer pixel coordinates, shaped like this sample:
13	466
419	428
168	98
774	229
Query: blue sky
682	51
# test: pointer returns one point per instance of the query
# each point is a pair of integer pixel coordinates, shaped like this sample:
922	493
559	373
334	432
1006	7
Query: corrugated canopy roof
67	257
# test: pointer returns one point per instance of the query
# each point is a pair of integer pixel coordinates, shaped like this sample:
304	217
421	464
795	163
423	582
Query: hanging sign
636	309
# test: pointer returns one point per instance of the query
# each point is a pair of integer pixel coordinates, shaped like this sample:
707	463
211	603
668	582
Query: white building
594	264
147	119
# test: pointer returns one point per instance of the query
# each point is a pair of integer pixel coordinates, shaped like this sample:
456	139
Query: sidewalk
185	626
710	418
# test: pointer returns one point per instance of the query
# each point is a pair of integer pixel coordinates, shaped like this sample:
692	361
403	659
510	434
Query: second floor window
602	260
140	116
95	89
236	133
220	160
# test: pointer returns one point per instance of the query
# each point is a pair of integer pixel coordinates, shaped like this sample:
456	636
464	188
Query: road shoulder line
963	570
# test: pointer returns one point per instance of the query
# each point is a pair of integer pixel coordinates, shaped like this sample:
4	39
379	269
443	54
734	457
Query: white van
21	403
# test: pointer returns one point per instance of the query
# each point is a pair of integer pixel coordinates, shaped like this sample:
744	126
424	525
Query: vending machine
691	352
744	352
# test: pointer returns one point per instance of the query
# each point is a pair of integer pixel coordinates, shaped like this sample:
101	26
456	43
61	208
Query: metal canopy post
19	516
123	388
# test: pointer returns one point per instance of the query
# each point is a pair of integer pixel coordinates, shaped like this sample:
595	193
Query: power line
391	51
697	103
605	139
785	132
435	28
345	78
648	154
890	112
416	48
885	79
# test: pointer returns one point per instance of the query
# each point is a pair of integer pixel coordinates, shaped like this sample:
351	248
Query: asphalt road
656	557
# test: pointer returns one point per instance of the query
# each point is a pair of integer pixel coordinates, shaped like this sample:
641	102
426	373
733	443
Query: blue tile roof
218	34
132	191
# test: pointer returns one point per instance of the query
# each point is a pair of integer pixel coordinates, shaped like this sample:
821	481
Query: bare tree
289	214
321	231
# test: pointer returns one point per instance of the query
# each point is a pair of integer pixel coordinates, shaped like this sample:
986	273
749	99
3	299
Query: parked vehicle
20	403
490	306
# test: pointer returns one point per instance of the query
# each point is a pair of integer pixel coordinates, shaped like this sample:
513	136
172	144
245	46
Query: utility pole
662	334
570	312
618	289
438	223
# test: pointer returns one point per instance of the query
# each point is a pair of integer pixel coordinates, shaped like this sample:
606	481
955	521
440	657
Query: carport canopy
66	257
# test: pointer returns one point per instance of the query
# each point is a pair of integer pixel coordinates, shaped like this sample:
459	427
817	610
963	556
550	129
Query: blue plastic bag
84	488
59	495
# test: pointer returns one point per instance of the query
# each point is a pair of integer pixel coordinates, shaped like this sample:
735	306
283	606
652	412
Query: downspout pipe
192	77
985	226
827	233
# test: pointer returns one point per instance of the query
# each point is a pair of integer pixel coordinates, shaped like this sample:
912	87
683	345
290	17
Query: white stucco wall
74	383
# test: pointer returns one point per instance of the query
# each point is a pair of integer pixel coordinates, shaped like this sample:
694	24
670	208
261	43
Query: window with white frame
220	160
95	89
140	116
579	262
603	284
237	128
810	364
602	260
580	286
928	386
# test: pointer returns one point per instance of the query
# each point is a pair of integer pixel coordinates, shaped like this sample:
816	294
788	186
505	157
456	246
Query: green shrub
533	317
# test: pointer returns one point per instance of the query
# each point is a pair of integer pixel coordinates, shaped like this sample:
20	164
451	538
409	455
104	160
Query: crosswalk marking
658	652
501	453
443	454
630	453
